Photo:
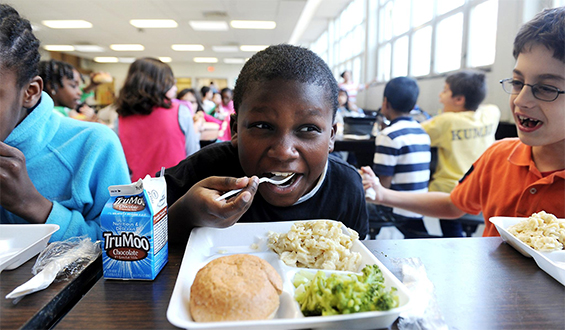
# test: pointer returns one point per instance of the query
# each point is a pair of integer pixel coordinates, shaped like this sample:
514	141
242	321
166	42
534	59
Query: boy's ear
385	103
233	127
459	100
32	92
332	138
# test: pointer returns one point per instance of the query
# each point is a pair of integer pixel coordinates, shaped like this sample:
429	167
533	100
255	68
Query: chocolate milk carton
134	230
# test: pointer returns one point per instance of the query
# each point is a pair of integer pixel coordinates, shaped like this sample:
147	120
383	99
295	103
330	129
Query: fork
264	179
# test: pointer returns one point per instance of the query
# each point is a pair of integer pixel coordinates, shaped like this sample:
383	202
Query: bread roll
235	287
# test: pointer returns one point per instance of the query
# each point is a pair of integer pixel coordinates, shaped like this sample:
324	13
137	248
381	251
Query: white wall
511	15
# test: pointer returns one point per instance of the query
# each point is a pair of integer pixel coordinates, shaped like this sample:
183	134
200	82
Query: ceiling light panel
205	60
209	25
187	48
165	59
126	59
127	47
268	25
225	49
154	23
252	48
59	48
234	60
89	48
67	24
106	59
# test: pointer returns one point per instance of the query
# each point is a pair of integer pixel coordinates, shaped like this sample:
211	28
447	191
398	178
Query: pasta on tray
319	244
542	231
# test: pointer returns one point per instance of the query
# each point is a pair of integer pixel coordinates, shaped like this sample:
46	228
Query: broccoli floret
343	293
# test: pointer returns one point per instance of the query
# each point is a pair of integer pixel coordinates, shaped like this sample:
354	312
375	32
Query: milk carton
134	230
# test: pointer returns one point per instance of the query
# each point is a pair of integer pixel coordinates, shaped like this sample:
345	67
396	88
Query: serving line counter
480	283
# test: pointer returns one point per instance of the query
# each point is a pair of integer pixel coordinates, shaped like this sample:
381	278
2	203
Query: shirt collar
521	155
316	188
401	118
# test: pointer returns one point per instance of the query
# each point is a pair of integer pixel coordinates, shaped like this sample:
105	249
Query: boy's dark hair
471	85
402	93
52	73
224	90
147	82
547	28
19	48
204	90
286	62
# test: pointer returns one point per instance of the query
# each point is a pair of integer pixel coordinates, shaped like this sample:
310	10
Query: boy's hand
18	195
371	182
205	211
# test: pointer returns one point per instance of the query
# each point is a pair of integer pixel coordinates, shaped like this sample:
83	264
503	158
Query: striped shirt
403	152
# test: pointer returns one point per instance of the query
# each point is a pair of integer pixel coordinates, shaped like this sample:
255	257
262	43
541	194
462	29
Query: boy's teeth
284	174
528	122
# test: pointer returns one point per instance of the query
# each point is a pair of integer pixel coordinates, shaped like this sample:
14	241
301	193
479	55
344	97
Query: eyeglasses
540	91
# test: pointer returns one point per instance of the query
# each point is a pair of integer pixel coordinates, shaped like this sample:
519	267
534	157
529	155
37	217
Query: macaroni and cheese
319	244
542	231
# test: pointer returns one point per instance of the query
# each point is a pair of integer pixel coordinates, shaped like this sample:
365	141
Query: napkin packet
61	260
134	225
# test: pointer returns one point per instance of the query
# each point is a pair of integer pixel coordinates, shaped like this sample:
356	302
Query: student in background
53	170
62	82
461	133
351	87
206	126
155	131
515	177
284	124
217	111
207	104
402	156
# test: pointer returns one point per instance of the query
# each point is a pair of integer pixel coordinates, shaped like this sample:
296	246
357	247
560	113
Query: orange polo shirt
504	181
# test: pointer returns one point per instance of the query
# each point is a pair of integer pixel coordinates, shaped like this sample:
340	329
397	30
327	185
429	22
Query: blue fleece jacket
71	163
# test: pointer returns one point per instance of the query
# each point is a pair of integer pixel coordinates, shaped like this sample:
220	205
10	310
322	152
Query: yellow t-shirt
460	137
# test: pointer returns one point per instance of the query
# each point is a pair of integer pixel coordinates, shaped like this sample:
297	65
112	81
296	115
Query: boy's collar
316	188
397	119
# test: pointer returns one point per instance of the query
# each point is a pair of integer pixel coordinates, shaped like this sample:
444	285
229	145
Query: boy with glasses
514	177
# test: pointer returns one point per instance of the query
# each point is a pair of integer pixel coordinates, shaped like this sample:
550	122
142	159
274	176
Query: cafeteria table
42	309
480	283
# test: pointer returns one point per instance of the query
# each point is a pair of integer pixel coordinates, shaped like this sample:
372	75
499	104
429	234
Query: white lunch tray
19	243
552	262
206	244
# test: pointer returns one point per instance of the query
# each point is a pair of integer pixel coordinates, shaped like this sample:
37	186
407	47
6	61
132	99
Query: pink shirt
152	141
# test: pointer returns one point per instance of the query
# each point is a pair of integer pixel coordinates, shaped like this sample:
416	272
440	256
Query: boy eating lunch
285	102
520	176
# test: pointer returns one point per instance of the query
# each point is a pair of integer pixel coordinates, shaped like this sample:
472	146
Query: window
421	58
400	57
344	41
449	34
482	41
422	12
444	6
411	37
428	37
384	63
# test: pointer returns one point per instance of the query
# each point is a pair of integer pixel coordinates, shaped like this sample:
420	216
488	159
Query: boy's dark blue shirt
341	196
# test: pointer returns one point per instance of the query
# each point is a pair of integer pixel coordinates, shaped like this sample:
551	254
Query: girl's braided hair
19	48
52	73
